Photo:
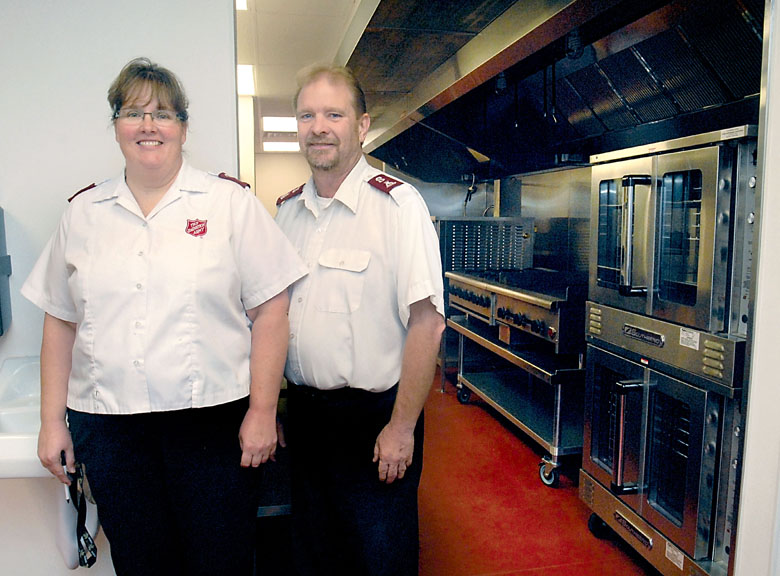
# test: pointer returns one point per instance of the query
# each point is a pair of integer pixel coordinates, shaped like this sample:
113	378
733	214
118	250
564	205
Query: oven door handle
622	389
629	184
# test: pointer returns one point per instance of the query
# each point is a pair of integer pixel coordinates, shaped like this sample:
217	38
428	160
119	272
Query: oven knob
537	326
551	332
501	312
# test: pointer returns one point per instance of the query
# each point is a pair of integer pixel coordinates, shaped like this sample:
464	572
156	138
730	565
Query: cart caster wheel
549	479
599	528
464	395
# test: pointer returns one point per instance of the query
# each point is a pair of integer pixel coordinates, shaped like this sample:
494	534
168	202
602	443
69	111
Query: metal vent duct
645	71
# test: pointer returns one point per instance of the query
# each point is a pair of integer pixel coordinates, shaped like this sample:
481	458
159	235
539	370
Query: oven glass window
669	454
604	416
609	225
680	228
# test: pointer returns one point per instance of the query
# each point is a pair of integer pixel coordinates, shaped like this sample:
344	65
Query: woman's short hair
164	85
311	73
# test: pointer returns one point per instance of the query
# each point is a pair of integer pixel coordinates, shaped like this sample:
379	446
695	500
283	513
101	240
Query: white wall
57	60
758	531
278	173
246	139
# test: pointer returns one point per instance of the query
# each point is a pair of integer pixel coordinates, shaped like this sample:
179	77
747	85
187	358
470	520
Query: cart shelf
537	390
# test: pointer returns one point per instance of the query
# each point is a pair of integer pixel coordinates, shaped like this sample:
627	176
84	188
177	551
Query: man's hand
393	450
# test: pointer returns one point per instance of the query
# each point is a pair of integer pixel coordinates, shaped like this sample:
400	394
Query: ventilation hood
547	84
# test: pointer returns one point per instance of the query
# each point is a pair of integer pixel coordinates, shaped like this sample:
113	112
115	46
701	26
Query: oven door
623	210
614	422
692	246
683	431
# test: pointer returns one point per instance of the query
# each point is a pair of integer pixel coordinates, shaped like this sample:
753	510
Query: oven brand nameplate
643	538
650	338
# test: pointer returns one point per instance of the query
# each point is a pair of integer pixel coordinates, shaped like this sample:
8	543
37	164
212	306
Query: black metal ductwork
632	74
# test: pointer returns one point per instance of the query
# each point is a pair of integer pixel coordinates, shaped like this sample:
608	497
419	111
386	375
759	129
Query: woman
164	340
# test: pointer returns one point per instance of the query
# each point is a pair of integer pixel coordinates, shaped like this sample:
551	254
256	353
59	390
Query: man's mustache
318	141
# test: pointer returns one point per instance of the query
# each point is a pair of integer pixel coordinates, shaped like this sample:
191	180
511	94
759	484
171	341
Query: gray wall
559	203
57	60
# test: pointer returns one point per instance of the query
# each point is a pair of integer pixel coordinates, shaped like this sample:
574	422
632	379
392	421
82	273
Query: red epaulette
289	195
384	183
90	187
244	185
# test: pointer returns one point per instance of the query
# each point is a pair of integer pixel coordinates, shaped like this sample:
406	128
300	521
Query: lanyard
87	548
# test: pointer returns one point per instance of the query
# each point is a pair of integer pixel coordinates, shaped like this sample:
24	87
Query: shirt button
300	299
140	252
136	363
292	336
139	286
138	324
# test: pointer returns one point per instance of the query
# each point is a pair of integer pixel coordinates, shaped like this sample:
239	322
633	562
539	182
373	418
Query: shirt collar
187	180
348	192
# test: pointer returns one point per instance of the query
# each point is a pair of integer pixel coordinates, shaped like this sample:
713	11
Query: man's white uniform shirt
159	301
371	254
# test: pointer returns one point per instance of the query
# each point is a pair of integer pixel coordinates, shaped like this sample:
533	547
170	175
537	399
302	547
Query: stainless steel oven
670	234
653	441
661	426
671	252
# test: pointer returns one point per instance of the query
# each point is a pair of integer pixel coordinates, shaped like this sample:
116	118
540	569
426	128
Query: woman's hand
56	359
54	440
258	437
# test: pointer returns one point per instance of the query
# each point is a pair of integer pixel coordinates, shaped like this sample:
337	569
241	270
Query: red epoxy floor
484	510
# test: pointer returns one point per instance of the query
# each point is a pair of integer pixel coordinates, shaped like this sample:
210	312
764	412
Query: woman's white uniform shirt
371	254
159	301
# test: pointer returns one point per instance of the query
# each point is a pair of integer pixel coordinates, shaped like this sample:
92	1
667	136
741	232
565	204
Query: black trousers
344	520
170	492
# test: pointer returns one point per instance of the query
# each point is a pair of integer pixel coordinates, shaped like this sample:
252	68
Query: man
365	328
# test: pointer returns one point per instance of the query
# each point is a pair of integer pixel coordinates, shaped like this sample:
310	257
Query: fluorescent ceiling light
241	5
245	79
280	124
281	147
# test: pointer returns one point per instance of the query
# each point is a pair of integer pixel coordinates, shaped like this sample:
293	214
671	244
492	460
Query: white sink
20	420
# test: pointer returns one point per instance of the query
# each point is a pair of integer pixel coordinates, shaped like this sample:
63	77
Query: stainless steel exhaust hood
546	84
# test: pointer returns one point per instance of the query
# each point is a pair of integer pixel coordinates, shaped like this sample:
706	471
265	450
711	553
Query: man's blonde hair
311	73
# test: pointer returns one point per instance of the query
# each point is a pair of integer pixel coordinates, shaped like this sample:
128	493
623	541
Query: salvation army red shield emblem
196	227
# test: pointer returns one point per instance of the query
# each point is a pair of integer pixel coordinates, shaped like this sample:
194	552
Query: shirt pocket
342	274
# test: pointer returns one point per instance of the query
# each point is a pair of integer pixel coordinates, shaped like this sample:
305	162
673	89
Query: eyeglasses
134	116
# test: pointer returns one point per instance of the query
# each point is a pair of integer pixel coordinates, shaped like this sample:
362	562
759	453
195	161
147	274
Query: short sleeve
267	261
47	285
419	258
